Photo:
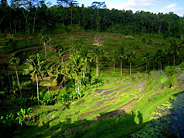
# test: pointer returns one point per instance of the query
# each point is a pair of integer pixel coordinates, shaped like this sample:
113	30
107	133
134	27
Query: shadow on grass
167	122
105	125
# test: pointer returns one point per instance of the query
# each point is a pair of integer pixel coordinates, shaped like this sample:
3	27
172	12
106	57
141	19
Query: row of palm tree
81	57
162	56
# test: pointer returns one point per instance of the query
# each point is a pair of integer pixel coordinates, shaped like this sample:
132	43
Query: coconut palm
114	56
121	56
85	55
36	69
130	57
147	60
75	67
98	52
45	40
72	4
13	62
174	49
159	58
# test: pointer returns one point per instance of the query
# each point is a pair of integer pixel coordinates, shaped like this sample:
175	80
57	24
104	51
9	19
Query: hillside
91	85
117	109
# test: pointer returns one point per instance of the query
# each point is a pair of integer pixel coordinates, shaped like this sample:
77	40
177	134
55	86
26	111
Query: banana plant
75	67
61	53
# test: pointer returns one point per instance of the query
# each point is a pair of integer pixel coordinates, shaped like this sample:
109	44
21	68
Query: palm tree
159	57
121	56
85	55
45	40
98	52
174	49
114	56
147	59
75	66
61	53
36	69
13	62
130	57
72	4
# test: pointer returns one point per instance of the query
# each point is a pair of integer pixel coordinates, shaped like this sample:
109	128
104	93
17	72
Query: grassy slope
63	119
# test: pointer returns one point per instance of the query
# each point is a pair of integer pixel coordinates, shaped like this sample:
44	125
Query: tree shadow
167	122
111	124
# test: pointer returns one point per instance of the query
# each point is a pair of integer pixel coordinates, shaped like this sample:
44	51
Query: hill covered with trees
32	16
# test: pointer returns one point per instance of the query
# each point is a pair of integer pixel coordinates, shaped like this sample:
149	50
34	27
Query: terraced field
125	106
120	110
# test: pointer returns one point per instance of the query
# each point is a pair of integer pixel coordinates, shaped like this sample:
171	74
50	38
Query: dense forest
74	71
30	16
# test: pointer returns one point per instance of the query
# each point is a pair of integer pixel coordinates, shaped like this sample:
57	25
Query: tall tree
121	56
13	61
114	56
147	60
85	55
61	53
159	58
130	57
174	49
45	40
75	67
36	69
98	52
71	4
97	5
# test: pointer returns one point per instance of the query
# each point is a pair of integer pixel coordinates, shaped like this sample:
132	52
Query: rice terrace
69	70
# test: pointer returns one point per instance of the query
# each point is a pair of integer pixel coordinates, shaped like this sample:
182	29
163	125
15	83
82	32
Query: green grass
61	120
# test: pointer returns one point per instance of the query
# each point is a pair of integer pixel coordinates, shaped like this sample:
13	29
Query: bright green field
120	107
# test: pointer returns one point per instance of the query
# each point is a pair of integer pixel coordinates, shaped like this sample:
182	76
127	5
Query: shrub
170	70
49	99
23	114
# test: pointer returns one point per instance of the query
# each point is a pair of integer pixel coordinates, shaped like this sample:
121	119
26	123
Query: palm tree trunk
146	68
34	21
75	84
37	88
2	82
130	69
12	82
9	80
63	72
78	87
114	66
84	70
96	67
17	79
71	15
174	59
160	65
121	68
45	49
